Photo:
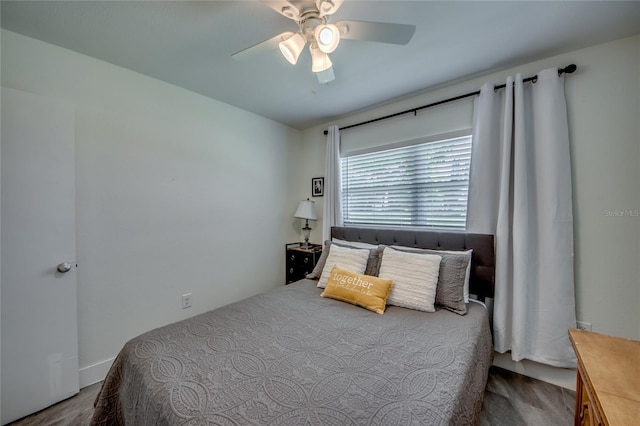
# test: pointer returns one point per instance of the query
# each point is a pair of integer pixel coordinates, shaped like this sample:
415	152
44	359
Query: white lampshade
306	210
328	37
319	60
292	47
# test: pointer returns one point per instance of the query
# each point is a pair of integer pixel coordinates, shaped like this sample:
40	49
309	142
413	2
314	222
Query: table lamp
306	210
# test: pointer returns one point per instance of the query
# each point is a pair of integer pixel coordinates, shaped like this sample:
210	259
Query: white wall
176	193
179	193
603	99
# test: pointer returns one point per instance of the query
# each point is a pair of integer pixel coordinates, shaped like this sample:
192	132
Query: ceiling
190	44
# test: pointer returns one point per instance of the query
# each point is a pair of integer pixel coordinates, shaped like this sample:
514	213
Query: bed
291	357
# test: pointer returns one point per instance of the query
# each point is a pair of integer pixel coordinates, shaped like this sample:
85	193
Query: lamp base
307	231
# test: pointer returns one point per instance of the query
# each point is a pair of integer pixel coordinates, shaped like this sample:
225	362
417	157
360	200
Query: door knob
64	267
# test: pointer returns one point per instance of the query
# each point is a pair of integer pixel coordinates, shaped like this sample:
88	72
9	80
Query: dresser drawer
587	411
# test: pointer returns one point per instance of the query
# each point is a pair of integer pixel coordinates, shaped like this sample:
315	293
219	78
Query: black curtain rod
569	69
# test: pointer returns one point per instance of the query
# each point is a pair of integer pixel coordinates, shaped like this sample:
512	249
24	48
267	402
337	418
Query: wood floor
509	399
514	399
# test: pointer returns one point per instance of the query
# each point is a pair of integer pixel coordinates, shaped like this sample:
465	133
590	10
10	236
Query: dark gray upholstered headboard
483	260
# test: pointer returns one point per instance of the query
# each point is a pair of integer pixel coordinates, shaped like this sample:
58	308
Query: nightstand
301	261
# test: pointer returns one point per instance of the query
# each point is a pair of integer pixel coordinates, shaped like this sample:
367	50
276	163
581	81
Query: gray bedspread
291	357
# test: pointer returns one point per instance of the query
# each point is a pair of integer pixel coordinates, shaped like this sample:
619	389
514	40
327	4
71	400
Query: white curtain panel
520	190
332	209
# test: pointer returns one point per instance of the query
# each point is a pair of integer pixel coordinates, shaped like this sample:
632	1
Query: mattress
291	357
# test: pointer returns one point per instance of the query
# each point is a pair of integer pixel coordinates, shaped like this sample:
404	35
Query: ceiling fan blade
262	47
284	8
382	32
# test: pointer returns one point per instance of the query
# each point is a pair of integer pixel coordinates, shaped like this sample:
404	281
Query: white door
39	313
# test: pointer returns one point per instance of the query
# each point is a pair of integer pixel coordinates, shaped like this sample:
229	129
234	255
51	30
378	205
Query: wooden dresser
608	384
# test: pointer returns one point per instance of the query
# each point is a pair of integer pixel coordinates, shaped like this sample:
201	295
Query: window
423	184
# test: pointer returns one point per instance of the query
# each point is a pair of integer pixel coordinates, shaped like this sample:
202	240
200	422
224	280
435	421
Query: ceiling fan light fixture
319	60
328	7
292	47
290	12
326	76
327	36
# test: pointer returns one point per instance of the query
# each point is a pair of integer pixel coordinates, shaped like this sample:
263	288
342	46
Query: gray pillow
373	263
450	287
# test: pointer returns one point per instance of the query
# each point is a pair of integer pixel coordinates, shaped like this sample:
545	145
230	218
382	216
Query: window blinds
422	185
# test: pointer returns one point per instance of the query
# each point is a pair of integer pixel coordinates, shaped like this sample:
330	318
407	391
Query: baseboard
563	377
94	373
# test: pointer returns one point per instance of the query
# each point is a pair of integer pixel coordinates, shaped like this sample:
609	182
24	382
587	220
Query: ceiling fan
312	18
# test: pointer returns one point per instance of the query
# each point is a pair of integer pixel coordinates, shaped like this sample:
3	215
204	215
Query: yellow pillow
362	290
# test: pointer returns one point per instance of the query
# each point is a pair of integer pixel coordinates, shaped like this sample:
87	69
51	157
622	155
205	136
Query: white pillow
415	278
467	273
353	259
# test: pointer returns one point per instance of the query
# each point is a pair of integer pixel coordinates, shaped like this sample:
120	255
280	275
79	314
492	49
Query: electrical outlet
186	300
581	325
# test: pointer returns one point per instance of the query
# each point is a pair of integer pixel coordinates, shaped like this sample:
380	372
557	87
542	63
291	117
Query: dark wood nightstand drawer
300	261
300	258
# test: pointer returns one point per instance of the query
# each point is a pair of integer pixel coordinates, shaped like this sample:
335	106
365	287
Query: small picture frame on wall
317	187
